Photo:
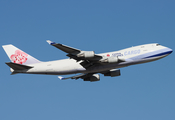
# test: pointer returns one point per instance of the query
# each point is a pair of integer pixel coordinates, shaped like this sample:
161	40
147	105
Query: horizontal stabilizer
16	66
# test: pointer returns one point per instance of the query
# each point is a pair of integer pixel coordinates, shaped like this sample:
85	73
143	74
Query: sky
142	92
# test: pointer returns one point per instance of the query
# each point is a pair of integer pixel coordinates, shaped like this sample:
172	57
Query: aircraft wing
86	77
64	48
93	76
76	53
72	77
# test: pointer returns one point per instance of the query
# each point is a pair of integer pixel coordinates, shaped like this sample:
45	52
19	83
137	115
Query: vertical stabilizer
18	56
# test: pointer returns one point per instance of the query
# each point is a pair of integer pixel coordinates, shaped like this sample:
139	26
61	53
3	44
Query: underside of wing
86	77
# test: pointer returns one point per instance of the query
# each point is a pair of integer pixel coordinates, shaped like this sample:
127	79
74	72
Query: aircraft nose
169	50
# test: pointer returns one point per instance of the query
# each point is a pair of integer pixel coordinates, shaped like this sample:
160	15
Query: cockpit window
157	44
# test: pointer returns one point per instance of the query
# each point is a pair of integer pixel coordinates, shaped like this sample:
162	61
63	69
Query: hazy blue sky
142	92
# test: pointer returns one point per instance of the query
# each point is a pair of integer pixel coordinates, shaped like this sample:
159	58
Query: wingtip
50	42
61	78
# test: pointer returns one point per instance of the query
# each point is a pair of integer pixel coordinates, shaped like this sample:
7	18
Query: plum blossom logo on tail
19	57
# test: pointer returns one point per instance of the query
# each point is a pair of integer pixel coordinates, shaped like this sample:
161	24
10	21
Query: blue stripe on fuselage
160	54
152	54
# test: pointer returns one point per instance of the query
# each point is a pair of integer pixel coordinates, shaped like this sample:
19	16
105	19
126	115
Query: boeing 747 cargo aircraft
87	63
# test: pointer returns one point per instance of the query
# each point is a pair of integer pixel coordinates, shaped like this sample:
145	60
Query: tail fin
18	56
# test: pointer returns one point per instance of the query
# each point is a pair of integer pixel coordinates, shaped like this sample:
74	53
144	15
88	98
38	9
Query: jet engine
93	78
86	54
110	60
113	73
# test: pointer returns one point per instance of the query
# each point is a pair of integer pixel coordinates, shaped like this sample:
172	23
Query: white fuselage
132	55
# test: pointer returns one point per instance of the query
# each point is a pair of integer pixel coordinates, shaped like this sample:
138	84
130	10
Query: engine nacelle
113	73
93	78
110	60
86	54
